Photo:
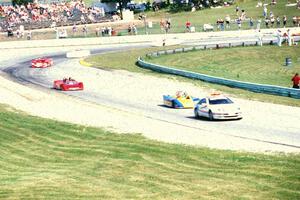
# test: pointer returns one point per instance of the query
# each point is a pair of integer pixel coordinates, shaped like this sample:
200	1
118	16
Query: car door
202	107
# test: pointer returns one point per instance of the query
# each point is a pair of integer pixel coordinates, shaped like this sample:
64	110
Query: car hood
224	108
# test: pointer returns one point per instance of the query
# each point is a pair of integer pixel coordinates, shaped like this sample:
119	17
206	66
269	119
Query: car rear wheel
63	88
210	115
173	104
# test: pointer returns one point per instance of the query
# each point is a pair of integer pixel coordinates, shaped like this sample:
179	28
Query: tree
21	2
122	4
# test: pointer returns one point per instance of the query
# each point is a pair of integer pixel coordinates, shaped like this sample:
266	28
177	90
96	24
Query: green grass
263	65
127	61
205	16
46	159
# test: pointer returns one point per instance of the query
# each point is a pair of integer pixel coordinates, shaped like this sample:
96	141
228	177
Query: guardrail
254	87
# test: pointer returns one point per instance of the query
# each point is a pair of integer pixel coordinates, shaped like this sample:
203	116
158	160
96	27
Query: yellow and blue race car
180	100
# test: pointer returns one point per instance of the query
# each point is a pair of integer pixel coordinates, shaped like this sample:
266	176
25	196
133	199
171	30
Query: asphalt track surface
275	130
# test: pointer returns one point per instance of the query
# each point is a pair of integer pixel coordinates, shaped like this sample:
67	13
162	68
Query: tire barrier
260	88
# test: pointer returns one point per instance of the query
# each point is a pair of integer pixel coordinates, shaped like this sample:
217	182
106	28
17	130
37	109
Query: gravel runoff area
51	104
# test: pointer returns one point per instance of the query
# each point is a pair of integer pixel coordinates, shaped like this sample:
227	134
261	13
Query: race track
265	126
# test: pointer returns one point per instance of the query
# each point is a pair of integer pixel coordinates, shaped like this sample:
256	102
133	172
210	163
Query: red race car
67	84
41	62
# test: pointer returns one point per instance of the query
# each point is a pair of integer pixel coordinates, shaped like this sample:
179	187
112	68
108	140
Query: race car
41	62
180	100
217	106
67	84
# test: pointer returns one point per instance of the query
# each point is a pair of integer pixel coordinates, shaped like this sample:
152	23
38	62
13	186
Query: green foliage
122	4
178	7
21	2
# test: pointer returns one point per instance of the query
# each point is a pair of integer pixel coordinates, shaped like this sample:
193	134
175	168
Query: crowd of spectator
268	19
54	13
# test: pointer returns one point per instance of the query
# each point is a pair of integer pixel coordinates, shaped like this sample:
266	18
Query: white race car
217	106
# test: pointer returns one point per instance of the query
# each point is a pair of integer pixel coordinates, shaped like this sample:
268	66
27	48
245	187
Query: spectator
289	38
243	15
84	30
74	29
227	20
221	24
10	32
265	11
273	2
102	31
279	38
267	21
271	14
259	4
251	23
162	25
239	23
134	29
294	20
188	26
237	10
129	29
272	20
53	12
97	31
109	31
260	38
168	25
29	35
284	20
258	24
278	21
296	81
18	33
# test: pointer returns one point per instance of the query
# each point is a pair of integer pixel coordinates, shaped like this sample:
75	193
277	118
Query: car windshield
220	101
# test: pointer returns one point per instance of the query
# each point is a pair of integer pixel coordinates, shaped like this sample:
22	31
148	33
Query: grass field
263	65
127	61
201	17
45	159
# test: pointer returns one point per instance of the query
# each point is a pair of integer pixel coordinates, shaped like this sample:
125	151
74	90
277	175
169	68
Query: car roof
216	95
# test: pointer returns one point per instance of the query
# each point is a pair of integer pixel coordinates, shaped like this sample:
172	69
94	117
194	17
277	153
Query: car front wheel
210	115
196	114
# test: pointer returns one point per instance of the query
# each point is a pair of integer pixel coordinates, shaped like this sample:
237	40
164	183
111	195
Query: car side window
202	101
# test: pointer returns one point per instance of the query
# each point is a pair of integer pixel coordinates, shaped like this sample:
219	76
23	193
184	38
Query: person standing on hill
296	81
260	38
279	38
284	20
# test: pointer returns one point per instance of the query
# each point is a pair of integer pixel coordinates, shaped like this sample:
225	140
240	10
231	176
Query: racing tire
63	88
210	115
173	104
196	114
